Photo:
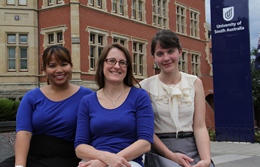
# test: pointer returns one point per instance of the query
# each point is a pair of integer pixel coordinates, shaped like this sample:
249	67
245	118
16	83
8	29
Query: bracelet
19	166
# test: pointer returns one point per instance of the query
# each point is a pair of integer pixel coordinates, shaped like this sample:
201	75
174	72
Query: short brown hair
100	78
165	39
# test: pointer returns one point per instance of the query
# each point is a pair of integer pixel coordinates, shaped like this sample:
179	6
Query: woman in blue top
115	124
46	118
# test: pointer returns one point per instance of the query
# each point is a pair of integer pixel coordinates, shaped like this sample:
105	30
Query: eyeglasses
112	61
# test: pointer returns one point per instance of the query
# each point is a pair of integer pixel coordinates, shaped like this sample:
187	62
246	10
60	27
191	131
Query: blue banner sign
234	119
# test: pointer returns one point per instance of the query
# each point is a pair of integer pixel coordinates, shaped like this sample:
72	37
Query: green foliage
212	135
255	84
257	136
8	109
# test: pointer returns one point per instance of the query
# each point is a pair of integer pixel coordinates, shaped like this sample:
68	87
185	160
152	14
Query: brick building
27	27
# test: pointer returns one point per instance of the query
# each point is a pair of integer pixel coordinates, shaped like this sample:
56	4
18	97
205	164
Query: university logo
228	13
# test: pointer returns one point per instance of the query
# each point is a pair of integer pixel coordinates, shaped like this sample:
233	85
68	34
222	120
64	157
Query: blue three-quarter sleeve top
40	115
113	130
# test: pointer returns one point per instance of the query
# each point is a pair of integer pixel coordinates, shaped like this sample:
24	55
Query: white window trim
144	42
123	37
45	4
161	16
198	26
185	18
199	62
95	6
55	30
17	45
100	32
185	60
137	11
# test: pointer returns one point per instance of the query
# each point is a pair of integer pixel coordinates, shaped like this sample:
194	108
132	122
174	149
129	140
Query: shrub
212	134
257	136
8	109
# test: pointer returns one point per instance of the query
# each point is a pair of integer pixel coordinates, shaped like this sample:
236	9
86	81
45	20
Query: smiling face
167	59
115	72
58	72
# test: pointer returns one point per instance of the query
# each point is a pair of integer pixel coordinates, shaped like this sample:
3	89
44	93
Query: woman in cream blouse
181	137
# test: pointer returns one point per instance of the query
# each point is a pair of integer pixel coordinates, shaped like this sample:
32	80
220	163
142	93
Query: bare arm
199	126
22	144
135	150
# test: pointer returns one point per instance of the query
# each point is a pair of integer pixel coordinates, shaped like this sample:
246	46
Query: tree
255	86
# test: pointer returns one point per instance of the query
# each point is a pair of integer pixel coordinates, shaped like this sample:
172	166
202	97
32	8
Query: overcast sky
254	20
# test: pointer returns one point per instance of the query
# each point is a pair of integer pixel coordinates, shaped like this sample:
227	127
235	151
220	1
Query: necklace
113	101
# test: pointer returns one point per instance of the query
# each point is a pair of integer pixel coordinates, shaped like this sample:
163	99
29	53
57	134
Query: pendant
114	103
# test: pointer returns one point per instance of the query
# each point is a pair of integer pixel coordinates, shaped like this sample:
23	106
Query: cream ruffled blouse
173	105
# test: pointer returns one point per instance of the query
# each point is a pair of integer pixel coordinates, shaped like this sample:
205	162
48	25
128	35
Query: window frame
22	4
183	61
181	19
53	31
139	58
119	7
12	3
96	44
119	37
160	13
138	10
194	23
52	3
195	63
99	4
17	45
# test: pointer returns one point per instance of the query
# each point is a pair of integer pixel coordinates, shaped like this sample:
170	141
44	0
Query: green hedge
8	109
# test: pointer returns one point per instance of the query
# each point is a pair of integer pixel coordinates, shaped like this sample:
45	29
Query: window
119	6
97	3
181	19
10	2
183	62
138	58
138	10
11	38
195	63
51	38
53	35
97	41
17	46
50	3
194	24
55	38
16	2
59	37
160	15
22	2
120	39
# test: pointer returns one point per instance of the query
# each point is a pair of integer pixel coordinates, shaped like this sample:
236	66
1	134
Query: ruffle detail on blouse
157	88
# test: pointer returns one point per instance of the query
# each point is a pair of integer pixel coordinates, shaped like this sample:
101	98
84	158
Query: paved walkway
224	154
6	149
227	154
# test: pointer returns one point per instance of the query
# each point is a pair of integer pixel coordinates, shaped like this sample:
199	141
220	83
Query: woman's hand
92	163
202	163
115	160
181	159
